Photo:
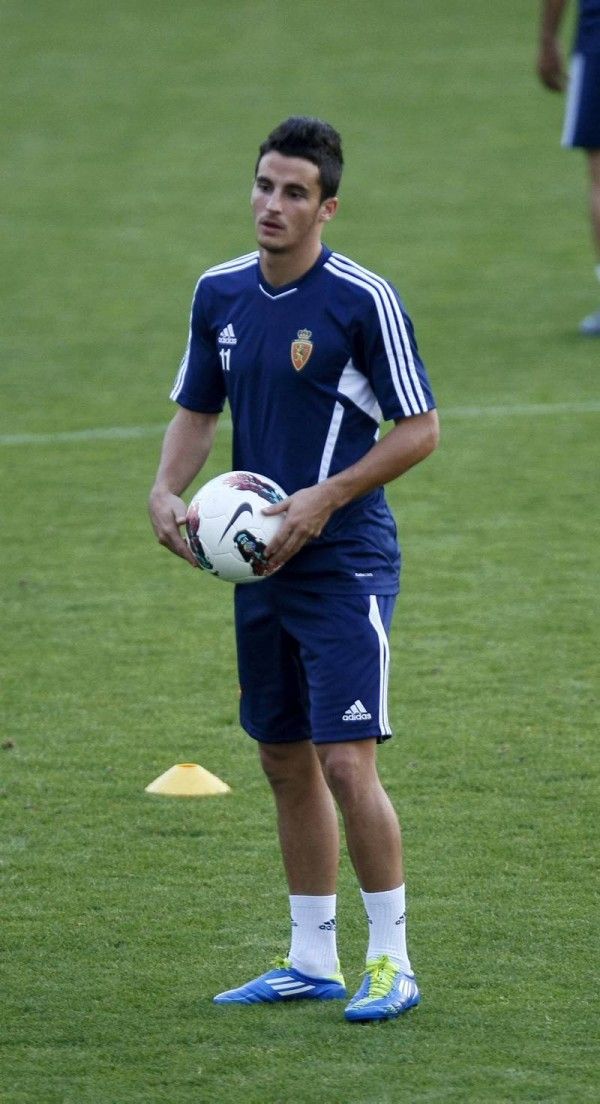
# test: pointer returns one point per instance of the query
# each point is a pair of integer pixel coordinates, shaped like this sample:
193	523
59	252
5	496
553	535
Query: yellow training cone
187	780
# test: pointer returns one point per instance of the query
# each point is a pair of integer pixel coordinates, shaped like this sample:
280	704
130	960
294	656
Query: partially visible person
582	116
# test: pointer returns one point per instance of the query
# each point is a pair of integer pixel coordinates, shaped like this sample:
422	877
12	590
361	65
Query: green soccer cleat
386	992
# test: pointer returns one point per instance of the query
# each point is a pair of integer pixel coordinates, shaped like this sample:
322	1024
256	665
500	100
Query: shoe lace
382	972
281	963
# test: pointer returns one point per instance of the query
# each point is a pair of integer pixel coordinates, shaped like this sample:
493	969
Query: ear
328	209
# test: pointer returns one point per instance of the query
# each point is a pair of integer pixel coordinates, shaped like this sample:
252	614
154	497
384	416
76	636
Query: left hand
307	512
550	67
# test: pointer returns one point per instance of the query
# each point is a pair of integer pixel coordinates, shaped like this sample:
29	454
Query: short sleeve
392	361
199	383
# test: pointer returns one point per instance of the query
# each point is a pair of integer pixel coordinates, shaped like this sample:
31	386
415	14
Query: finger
282	557
277	543
181	546
283	547
187	554
173	543
277	508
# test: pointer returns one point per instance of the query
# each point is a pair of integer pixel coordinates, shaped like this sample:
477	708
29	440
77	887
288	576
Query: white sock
597	270
386	913
313	949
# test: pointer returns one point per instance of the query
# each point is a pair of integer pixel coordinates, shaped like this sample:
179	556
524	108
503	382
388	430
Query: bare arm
550	64
308	510
186	445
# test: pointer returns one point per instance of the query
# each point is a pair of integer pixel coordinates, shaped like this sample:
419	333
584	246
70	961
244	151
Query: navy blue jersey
587	35
309	370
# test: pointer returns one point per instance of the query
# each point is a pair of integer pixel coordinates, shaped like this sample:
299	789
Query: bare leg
594	166
590	325
371	825
306	817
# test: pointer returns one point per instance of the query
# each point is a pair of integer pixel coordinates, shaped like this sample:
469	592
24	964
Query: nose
274	201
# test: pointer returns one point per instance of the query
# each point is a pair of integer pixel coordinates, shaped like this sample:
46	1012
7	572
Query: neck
284	268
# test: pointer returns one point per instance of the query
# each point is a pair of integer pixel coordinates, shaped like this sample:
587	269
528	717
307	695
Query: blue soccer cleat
384	994
284	983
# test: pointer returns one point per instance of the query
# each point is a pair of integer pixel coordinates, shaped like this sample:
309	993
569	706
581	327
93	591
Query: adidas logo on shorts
356	712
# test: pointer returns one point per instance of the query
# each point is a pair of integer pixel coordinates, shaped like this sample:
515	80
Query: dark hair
316	141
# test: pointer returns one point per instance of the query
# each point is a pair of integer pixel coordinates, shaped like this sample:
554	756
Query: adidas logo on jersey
356	712
227	336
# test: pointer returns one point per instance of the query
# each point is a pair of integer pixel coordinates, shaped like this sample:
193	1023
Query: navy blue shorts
312	666
582	115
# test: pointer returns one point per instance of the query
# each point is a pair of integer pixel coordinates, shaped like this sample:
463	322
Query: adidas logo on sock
227	336
356	712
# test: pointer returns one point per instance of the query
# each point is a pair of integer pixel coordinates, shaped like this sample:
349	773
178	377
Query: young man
311	350
582	118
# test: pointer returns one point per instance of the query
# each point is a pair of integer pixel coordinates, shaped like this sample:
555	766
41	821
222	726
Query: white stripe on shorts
384	664
576	72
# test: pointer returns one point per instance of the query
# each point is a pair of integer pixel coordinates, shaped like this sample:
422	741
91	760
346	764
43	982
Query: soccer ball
227	531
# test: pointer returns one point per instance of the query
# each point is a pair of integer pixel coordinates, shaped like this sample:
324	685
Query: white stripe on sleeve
393	329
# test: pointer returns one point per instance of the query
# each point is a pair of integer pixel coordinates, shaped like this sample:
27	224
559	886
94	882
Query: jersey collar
288	289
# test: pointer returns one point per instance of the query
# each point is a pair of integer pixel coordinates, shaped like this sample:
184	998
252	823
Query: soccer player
582	118
311	350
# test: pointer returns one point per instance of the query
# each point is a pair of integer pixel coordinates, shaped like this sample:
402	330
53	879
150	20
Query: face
288	211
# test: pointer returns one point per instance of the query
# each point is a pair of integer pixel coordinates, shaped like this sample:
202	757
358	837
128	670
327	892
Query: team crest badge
302	347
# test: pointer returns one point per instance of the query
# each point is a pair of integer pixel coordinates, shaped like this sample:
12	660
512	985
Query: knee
348	770
283	766
273	764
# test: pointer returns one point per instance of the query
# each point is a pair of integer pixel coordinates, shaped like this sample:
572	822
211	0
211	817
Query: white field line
129	433
110	433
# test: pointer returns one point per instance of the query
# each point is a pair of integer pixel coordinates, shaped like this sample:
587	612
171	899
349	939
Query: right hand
167	514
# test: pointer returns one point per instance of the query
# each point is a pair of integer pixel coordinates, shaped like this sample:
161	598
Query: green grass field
129	141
